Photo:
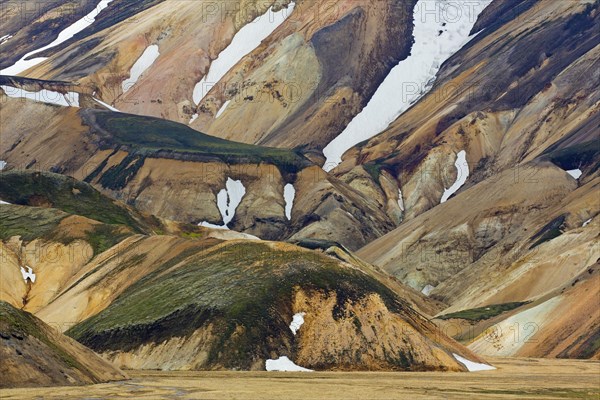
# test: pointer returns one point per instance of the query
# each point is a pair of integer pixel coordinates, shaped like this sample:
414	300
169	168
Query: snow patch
4	39
575	173
245	41
463	173
221	110
3	202
472	366
284	364
586	223
140	66
25	63
108	106
69	99
297	322
427	290
289	194
228	201
28	274
400	200
2	164
413	77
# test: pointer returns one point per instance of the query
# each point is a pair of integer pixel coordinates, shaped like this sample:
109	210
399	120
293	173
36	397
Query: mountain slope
33	354
305	77
234	303
563	325
169	170
195	300
499	106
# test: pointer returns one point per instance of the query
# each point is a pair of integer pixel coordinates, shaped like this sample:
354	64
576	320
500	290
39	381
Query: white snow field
586	223
69	99
245	40
2	164
297	322
575	173
140	66
28	274
472	366
222	109
411	78
289	194
228	201
25	63
463	174
284	364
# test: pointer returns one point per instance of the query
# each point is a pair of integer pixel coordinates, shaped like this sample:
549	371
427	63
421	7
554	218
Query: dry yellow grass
514	379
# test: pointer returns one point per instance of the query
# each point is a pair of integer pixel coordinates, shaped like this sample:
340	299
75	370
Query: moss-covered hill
53	225
57	208
33	354
230	307
149	136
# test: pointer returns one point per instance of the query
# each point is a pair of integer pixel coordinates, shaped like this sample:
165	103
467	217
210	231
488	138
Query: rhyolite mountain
154	294
474	205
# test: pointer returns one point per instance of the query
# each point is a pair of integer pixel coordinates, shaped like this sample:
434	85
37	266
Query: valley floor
514	379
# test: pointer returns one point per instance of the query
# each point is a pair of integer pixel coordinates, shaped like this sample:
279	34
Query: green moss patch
550	231
159	137
66	194
483	313
28	222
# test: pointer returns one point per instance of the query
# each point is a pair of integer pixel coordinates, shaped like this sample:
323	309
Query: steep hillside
21	21
494	175
305	76
515	229
33	354
169	170
512	95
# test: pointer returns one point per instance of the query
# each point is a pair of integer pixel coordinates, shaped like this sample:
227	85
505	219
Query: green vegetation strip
63	193
147	135
483	313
